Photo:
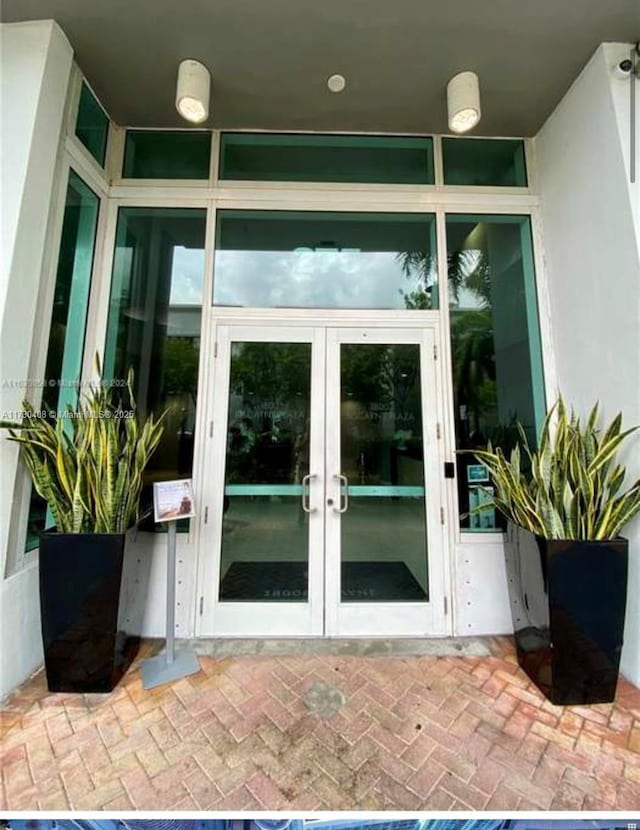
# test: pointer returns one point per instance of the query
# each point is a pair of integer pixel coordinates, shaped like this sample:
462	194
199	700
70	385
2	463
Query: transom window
286	259
279	157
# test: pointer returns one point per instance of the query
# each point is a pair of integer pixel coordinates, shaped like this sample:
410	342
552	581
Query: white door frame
377	619
247	619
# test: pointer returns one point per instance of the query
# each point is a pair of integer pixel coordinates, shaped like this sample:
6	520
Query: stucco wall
591	237
35	73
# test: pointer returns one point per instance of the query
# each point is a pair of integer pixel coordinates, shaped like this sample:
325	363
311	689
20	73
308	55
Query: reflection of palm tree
473	360
419	267
467	268
472	343
181	367
470	269
473	351
277	372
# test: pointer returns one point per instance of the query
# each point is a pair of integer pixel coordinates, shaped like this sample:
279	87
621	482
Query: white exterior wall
588	221
591	216
36	67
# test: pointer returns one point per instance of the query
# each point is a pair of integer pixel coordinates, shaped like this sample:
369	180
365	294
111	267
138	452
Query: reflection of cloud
187	275
469	300
323	278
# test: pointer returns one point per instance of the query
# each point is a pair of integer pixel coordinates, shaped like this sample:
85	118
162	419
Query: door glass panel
383	529
264	528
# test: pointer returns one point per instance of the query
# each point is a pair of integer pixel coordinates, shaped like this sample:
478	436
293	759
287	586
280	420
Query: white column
591	217
34	77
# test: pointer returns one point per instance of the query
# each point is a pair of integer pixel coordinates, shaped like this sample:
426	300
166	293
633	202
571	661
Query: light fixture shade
463	102
192	91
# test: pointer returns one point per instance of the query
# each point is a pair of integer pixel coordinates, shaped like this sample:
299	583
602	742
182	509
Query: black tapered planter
569	625
80	578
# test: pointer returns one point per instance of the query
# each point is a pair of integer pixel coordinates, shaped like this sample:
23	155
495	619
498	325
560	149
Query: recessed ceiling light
336	83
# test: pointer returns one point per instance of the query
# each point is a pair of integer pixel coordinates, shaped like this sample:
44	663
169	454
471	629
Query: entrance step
397	647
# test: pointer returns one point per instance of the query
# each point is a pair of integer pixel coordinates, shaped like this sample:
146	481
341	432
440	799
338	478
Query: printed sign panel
476	473
173	500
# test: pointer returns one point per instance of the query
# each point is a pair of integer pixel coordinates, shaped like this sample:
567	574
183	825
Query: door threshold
360	647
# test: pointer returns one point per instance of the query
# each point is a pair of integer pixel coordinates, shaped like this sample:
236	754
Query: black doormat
287	582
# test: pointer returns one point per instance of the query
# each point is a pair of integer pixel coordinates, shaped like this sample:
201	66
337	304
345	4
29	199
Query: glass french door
324	501
383	532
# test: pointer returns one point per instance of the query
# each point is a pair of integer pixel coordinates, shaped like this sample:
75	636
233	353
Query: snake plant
572	490
88	462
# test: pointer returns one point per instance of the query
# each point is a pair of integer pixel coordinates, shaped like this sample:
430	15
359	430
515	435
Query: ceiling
270	59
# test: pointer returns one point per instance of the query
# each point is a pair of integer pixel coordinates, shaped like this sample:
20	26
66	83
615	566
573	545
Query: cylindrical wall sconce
463	102
192	91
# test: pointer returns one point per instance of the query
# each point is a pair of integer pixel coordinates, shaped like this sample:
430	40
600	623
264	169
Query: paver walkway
406	733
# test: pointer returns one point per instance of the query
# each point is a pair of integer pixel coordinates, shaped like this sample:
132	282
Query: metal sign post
171	665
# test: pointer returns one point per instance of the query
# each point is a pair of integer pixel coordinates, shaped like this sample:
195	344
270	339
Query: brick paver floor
447	733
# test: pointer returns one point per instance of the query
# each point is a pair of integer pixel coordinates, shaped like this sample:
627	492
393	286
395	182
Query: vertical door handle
344	506
305	494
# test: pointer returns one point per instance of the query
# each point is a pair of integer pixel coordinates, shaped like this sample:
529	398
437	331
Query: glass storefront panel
383	528
154	325
265	528
285	259
287	157
488	162
68	318
92	125
495	345
166	154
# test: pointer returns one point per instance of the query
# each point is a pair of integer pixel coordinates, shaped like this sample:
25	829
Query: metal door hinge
446	607
210	429
202	605
438	433
215	349
206	515
435	352
442	515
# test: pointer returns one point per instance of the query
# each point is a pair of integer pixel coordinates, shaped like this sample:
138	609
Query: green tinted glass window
326	158
494	162
496	353
154	326
68	318
92	125
308	259
166	154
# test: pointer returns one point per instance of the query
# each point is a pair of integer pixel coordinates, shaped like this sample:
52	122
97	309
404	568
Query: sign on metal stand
172	500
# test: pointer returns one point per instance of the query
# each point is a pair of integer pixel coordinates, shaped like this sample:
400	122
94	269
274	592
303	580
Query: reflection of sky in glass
306	278
187	274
